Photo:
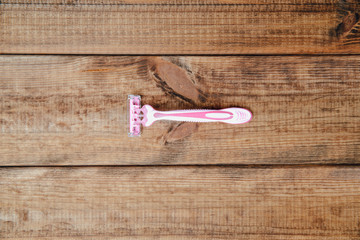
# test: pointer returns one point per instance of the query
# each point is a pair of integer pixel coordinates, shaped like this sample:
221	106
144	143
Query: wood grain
180	203
179	26
71	110
63	110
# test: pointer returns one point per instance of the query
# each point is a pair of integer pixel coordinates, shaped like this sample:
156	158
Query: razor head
134	115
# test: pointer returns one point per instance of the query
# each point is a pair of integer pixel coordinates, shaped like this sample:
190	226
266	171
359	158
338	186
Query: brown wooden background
68	170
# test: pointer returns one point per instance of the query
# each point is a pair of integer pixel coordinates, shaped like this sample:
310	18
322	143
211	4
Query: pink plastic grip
227	115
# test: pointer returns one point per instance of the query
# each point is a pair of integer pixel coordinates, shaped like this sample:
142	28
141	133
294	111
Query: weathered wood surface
179	26
180	203
71	110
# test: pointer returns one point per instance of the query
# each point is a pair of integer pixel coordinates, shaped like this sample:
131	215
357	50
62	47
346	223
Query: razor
146	115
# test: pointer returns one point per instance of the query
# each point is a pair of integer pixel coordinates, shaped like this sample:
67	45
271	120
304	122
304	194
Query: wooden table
69	170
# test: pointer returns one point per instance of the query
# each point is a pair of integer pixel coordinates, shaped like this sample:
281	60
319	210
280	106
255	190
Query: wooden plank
180	203
71	110
179	26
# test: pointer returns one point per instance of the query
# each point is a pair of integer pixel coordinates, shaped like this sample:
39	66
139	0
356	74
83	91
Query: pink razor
147	115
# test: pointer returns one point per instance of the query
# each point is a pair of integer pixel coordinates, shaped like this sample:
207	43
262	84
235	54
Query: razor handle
227	115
